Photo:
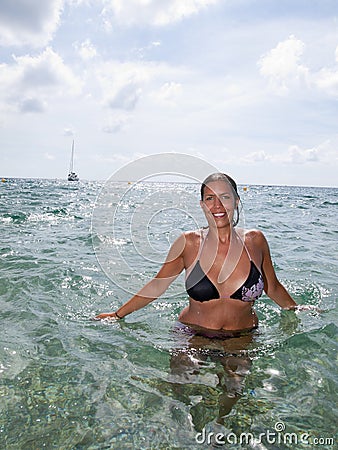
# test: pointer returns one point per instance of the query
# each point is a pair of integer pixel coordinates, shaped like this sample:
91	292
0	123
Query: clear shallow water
68	382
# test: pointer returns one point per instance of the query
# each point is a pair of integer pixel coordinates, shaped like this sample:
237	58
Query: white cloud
68	132
86	49
31	22
327	80
325	152
297	155
116	123
34	105
126	97
141	52
30	81
123	83
255	157
282	67
169	93
46	70
152	12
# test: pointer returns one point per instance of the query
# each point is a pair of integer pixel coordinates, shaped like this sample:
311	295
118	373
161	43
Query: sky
249	86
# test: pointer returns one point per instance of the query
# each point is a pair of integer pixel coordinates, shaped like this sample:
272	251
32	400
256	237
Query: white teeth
219	214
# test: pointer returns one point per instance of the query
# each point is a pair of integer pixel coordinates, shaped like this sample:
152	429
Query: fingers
309	308
304	308
106	316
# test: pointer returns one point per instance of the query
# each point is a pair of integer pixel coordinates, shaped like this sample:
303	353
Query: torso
228	271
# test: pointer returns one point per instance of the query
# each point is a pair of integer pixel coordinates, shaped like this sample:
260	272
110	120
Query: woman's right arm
172	267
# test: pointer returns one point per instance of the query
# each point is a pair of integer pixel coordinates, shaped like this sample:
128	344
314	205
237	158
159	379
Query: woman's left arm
272	286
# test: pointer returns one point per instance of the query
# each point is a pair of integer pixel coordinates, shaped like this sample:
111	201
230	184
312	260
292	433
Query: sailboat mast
72	159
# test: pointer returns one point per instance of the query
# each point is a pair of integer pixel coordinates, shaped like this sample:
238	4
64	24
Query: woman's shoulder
195	234
193	237
188	239
253	236
185	244
256	244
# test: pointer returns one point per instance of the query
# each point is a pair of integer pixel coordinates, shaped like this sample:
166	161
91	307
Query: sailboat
72	175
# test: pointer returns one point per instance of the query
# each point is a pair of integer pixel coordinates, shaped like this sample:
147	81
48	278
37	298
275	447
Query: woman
226	269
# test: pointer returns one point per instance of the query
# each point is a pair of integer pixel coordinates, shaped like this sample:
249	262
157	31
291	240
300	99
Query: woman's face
219	203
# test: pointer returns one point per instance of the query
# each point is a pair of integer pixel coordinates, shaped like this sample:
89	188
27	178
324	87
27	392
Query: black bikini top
200	288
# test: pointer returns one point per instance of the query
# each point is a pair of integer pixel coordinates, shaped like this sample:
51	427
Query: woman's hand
107	316
304	308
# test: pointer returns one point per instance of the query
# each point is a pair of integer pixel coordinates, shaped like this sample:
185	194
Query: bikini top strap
243	242
247	252
203	237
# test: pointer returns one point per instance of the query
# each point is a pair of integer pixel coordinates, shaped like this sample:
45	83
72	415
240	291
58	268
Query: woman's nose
218	202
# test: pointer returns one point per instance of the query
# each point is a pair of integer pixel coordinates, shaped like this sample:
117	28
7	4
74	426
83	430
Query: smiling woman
226	269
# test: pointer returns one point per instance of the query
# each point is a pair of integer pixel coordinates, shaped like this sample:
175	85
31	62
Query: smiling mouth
218	215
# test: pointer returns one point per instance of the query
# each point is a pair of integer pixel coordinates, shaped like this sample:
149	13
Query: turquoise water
67	382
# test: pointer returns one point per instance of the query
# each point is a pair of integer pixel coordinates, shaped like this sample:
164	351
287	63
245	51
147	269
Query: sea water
67	382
